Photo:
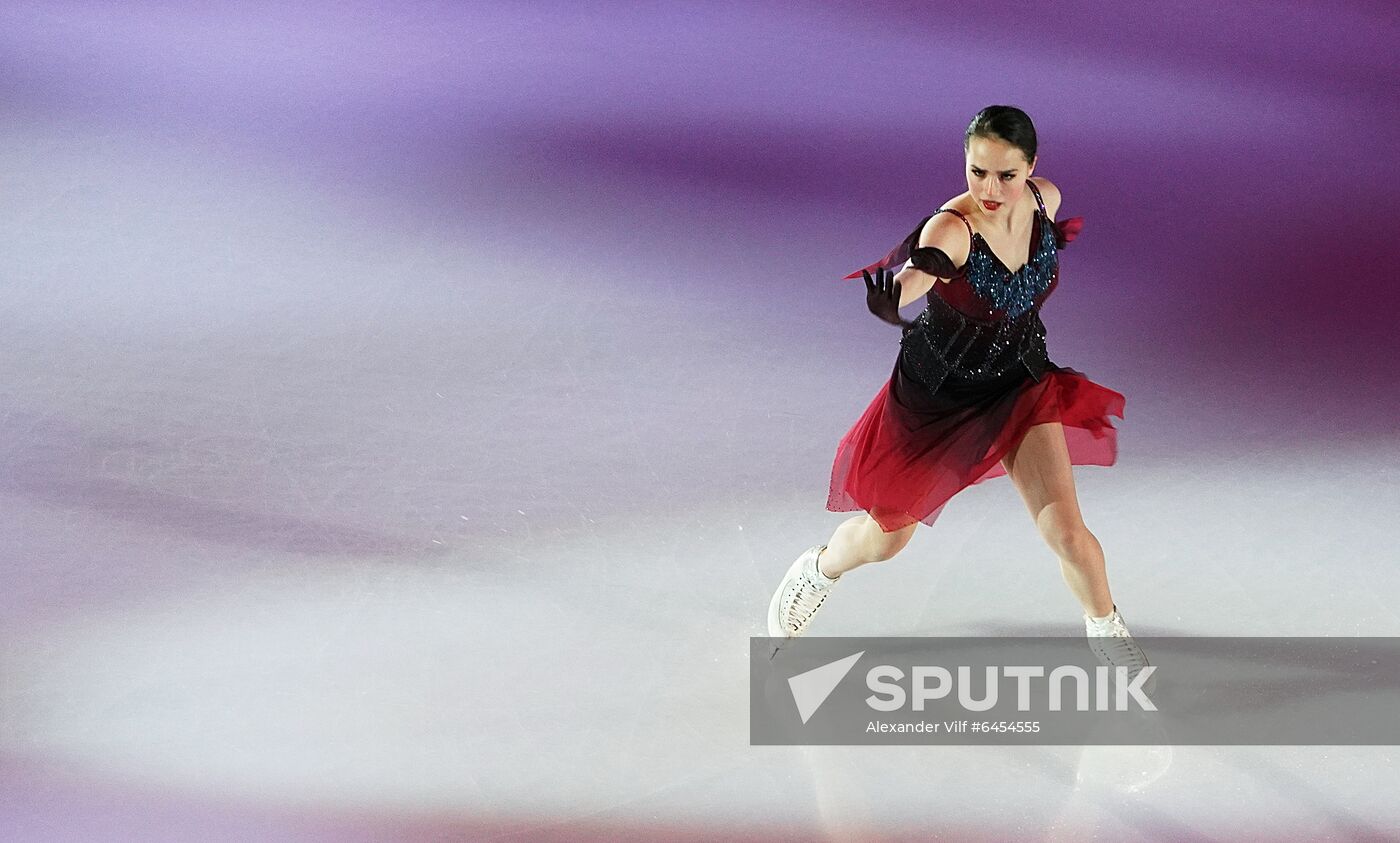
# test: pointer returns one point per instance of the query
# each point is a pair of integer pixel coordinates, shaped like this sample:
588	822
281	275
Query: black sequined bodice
985	322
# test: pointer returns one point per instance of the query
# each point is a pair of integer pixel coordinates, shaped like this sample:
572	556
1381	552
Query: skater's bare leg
859	541
1040	469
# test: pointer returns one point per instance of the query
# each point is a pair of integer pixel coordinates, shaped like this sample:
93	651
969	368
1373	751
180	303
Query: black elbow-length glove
882	297
882	291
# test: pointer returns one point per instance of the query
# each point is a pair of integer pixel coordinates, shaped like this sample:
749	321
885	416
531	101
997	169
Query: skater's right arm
943	246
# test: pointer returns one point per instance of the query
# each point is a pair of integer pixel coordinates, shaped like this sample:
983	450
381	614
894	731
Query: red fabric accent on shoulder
1067	230
899	254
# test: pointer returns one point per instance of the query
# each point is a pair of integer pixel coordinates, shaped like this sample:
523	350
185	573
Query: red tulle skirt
914	448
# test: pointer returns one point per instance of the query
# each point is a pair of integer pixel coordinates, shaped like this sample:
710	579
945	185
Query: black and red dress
971	378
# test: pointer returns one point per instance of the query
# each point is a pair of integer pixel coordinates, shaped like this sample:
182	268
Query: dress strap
1036	191
960	216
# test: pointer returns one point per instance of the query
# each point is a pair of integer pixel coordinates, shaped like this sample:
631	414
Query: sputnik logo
810	689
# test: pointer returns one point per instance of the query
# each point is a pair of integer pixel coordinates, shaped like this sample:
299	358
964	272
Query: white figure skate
799	595
1115	647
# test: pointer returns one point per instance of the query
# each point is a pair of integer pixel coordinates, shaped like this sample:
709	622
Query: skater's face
996	175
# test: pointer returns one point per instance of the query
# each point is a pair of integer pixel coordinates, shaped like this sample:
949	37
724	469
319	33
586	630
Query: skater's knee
1068	537
880	545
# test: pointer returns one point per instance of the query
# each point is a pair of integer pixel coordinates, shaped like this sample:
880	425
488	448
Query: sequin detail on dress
1013	292
990	325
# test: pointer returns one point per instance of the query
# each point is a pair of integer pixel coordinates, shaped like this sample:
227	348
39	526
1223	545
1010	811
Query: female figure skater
973	394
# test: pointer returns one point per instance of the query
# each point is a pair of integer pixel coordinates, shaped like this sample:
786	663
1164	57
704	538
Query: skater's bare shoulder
949	233
941	231
1048	192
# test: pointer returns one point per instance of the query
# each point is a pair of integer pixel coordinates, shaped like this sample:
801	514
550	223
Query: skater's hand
882	297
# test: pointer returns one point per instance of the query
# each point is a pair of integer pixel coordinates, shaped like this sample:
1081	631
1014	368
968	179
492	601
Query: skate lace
804	602
1119	648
